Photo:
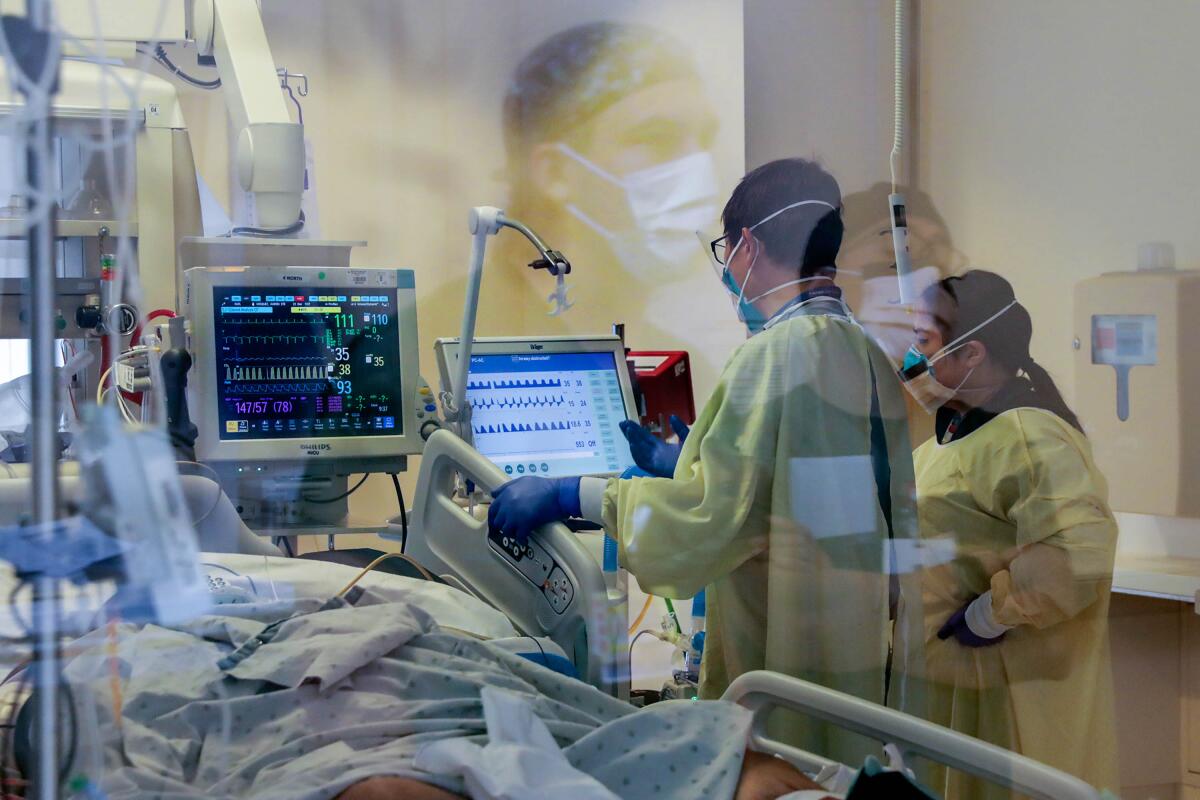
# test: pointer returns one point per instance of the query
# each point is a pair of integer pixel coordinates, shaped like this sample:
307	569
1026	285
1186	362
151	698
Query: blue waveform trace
548	383
517	402
537	427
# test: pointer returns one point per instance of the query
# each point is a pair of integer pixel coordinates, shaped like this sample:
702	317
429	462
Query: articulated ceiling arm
270	147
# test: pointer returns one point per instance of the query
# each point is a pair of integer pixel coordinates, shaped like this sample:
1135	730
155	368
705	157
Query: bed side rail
761	691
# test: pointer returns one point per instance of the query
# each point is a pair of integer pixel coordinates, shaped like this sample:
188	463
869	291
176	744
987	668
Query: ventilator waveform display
306	365
514	384
235	359
517	401
523	427
549	414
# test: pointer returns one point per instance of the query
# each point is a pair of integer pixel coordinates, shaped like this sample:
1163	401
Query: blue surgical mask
925	388
922	384
914	357
746	311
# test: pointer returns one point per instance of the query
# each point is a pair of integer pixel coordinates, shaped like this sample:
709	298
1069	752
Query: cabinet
1190	657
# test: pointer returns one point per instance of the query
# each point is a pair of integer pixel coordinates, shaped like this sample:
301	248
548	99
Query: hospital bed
759	692
560	593
549	587
454	543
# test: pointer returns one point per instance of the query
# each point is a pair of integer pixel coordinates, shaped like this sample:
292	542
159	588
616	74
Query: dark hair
962	302
807	236
577	73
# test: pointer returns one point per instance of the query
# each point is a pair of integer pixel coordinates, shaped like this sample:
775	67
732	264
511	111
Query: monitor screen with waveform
306	365
549	414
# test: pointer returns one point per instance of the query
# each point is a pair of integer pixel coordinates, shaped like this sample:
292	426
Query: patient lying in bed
337	701
763	778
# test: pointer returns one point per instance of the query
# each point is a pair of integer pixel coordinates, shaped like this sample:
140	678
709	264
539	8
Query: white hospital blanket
274	577
334	696
298	577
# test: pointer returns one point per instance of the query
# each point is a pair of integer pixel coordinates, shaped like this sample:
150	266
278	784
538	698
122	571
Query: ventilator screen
549	414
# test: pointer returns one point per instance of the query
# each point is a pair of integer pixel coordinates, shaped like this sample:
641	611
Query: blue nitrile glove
635	472
957	627
529	502
652	453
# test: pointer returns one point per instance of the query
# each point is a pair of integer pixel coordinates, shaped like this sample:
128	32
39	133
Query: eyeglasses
717	250
720	248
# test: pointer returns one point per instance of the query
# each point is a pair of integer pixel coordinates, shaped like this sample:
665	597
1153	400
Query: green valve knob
60	323
321	276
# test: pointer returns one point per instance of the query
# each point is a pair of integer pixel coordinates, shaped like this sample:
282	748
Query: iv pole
36	51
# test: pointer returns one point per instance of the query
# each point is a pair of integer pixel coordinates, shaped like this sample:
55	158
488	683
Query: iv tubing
674	616
641	614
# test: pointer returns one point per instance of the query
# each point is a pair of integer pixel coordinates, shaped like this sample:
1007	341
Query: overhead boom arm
270	147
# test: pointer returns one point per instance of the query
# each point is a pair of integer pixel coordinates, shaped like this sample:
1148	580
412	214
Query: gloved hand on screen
651	453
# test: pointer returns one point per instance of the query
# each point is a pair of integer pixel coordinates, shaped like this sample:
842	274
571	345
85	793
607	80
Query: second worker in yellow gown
1016	639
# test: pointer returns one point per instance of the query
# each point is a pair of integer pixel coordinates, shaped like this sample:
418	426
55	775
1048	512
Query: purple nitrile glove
957	627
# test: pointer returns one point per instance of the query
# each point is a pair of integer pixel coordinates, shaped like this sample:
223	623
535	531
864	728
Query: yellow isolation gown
774	507
1027	514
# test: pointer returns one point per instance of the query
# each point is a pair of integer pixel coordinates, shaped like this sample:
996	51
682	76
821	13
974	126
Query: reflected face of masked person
867	268
868	253
640	175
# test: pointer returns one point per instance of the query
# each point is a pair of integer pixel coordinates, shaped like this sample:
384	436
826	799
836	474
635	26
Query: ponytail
1049	398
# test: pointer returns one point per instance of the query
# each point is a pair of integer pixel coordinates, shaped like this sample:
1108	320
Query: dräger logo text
534	346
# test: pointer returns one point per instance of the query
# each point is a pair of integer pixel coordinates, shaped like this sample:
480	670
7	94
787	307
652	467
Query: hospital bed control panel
426	409
538	567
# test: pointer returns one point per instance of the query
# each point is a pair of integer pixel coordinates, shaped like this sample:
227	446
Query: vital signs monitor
304	370
547	406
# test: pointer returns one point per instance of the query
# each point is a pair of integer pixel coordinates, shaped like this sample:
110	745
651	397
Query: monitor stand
283	506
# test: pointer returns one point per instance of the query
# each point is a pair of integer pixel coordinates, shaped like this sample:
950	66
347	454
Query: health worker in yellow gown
1016	639
789	486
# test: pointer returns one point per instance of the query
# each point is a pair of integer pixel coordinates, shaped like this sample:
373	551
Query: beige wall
1056	136
1053	137
818	85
